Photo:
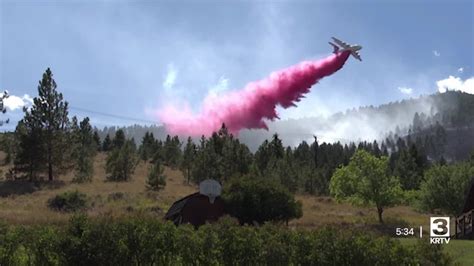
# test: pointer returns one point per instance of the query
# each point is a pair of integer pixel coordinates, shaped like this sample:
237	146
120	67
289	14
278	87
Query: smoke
251	106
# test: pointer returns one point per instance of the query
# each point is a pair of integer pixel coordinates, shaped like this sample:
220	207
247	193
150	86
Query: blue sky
129	58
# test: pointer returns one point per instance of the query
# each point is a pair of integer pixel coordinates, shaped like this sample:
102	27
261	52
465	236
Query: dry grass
320	211
124	198
30	208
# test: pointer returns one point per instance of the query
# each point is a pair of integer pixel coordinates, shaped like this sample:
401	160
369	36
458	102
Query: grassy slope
30	208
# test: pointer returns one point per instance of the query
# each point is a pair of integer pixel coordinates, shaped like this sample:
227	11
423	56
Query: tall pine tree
43	132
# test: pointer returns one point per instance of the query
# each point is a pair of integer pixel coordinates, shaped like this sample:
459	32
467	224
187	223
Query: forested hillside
454	111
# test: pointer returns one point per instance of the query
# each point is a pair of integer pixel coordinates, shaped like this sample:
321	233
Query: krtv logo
439	230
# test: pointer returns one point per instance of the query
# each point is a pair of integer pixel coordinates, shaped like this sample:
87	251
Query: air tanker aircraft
346	47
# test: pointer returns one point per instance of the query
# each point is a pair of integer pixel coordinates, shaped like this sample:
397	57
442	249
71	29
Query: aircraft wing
341	43
356	55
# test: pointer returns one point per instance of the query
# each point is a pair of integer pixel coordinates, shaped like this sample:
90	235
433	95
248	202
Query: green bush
9	244
69	201
147	241
258	200
156	179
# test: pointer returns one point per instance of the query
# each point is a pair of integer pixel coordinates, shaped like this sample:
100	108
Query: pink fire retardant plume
248	108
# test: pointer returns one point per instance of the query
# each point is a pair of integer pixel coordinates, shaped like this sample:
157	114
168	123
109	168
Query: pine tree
205	164
121	162
119	139
407	170
30	158
188	157
156	179
262	157
97	143
107	144
85	149
172	151
275	147
148	146
43	132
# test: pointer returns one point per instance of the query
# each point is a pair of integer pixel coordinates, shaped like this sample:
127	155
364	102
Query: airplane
346	47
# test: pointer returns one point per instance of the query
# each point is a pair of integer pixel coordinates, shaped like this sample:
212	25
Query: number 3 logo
440	226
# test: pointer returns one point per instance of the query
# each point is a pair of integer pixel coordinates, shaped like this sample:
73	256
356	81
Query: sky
130	58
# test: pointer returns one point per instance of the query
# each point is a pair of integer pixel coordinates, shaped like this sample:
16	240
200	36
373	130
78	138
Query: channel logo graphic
439	230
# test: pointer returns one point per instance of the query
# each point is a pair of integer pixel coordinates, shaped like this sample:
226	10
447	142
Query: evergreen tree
97	143
417	123
8	144
119	139
275	147
188	157
284	171
85	149
157	152
262	157
148	146
205	165
156	179
172	151
43	132
302	153
30	159
107	144
121	162
407	170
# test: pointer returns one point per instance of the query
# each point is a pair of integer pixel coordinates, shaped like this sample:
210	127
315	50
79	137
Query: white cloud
456	84
221	86
436	53
460	69
405	90
14	102
170	78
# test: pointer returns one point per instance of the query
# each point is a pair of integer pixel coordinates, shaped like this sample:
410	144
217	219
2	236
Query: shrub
9	244
156	178
257	200
427	254
69	201
147	241
114	196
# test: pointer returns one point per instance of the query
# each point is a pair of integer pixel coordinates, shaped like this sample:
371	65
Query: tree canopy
366	180
445	186
258	200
